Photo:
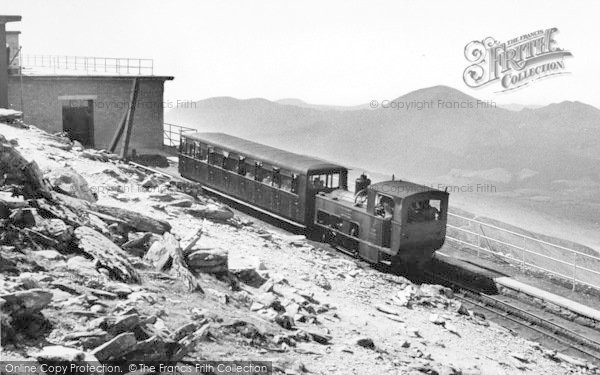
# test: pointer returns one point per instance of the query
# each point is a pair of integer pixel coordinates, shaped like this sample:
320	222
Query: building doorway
78	120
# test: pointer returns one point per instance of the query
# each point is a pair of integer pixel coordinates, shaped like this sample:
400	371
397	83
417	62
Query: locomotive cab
413	223
397	222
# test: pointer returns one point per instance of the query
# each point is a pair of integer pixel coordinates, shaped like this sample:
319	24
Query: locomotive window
335	222
424	210
384	206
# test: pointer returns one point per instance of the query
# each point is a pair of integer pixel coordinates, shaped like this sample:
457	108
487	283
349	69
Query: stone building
90	106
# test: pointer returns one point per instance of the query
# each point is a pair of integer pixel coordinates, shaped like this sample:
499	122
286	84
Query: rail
529	252
89	64
571	339
172	134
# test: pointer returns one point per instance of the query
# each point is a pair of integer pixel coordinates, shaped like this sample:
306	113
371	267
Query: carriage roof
252	150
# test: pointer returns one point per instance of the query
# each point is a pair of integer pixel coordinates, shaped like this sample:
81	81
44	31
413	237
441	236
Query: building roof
96	77
402	189
284	159
5	19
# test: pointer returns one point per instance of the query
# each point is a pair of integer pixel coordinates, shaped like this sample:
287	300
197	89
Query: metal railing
527	251
172	134
88	64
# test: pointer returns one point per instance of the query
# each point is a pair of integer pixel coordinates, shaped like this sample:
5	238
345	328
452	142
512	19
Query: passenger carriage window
214	157
286	180
190	149
231	162
242	166
329	180
251	166
265	174
258	171
294	183
354	229
202	152
322	217
276	177
197	150
317	181
335	180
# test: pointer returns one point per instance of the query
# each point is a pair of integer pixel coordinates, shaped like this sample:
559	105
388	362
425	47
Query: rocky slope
103	262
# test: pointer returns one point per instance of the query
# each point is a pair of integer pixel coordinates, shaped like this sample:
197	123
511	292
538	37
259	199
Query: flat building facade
90	108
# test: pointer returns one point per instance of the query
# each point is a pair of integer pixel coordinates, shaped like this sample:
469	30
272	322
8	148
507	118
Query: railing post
574	270
523	257
478	244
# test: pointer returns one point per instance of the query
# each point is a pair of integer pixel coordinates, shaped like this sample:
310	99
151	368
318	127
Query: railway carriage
395	222
283	184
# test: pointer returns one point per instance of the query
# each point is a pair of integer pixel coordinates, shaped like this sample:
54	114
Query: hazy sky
326	52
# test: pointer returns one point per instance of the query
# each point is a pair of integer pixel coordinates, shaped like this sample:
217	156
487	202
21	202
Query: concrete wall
44	96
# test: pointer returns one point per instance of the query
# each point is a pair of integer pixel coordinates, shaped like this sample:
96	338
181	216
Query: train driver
385	208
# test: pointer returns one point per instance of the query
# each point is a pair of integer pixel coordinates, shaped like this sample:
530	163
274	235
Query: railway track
576	341
512	313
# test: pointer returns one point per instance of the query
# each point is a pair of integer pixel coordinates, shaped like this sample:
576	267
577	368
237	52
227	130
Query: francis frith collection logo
515	63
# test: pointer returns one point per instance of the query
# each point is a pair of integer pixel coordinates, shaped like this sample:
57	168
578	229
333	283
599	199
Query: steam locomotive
394	222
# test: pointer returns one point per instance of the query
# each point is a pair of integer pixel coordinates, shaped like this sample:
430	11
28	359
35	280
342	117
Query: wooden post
118	132
129	122
115	140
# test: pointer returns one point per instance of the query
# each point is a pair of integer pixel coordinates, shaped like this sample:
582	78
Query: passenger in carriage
268	179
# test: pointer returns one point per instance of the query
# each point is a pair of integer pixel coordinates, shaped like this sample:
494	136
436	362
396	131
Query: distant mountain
436	134
518	107
303	104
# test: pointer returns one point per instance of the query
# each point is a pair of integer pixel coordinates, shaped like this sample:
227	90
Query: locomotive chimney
361	183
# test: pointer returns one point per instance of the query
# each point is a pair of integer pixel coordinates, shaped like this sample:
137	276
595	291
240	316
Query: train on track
394	222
